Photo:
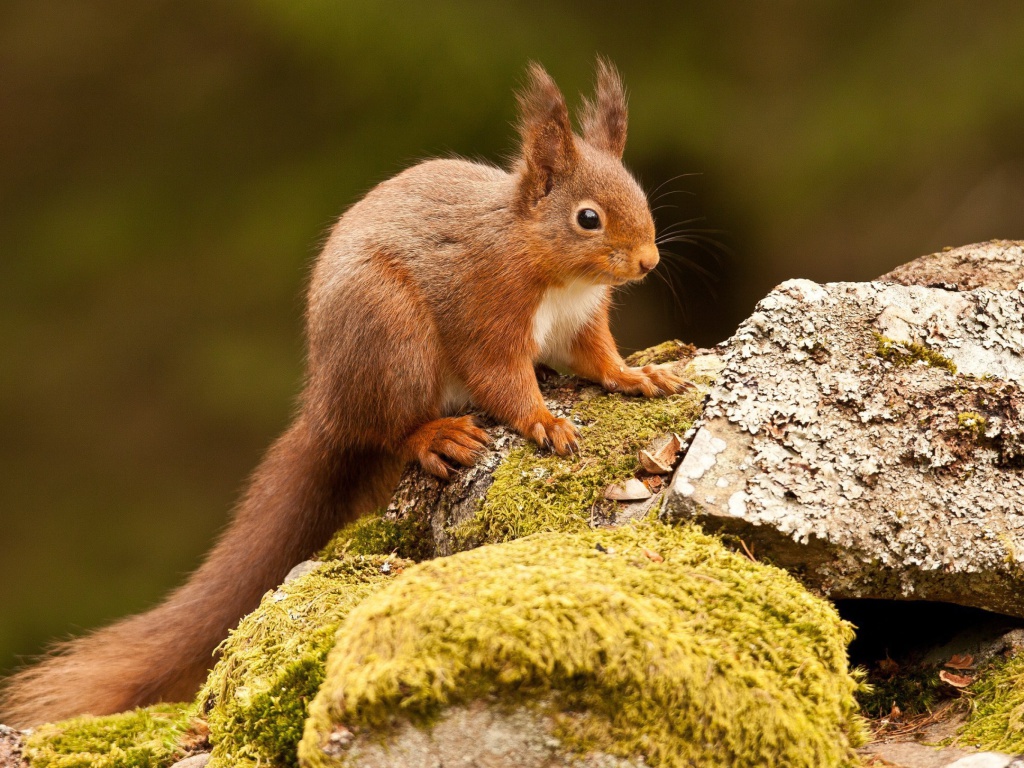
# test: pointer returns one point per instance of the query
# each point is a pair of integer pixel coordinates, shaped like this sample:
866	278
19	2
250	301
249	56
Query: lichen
142	738
646	640
273	663
910	352
535	491
996	719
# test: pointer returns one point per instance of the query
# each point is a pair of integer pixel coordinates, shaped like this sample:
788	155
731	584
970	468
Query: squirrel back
442	287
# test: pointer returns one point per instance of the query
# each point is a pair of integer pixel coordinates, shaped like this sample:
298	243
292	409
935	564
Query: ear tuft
548	147
604	118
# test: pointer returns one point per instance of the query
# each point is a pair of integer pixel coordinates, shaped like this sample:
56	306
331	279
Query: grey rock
885	476
471	735
910	754
195	761
303	568
996	264
987	760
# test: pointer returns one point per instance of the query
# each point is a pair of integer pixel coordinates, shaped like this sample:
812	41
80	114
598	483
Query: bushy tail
300	494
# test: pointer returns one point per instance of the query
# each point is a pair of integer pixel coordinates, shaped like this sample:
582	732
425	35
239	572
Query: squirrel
441	288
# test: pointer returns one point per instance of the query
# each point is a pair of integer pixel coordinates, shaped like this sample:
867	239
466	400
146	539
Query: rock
195	761
10	748
475	734
870	438
998	264
988	760
922	748
910	754
306	566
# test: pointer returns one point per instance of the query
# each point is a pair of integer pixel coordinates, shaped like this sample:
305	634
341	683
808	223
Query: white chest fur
561	314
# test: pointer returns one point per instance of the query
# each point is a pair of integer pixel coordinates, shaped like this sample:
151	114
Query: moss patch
666	352
913	692
535	492
142	738
973	423
996	720
375	534
273	663
645	640
910	352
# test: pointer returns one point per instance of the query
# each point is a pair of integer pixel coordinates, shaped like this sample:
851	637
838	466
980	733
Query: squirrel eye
588	218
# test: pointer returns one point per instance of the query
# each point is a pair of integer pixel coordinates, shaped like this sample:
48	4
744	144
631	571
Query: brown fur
427	286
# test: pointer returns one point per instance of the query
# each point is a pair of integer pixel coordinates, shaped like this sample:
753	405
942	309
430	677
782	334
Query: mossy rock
272	665
143	738
648	643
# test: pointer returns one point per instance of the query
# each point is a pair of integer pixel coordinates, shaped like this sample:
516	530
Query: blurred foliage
166	170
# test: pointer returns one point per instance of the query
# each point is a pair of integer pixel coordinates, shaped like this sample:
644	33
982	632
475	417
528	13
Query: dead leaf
651	464
957	681
653	483
960	661
631	490
661	461
654	557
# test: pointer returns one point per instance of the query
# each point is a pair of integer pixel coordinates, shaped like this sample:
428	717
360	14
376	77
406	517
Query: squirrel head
585	212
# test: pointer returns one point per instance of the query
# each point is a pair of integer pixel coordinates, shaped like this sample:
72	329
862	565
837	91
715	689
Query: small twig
747	551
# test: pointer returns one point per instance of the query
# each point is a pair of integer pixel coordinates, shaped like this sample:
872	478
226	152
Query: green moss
666	352
910	352
534	491
142	738
914	692
972	422
696	657
376	534
996	720
273	663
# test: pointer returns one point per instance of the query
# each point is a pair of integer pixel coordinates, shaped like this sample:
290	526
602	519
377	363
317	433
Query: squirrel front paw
550	431
442	443
649	381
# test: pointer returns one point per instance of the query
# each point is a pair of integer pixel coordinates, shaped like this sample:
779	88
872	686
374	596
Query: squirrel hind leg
441	444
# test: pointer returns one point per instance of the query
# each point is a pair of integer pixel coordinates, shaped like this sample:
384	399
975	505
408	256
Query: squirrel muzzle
647	259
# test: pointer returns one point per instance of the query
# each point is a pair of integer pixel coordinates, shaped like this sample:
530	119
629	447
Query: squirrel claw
649	381
558	434
443	444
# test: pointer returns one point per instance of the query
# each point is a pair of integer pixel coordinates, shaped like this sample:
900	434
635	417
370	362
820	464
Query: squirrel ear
604	118
548	147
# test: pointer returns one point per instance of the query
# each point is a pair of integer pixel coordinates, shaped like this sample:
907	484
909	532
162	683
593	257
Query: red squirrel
442	287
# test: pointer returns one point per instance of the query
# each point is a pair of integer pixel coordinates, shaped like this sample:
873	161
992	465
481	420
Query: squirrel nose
648	258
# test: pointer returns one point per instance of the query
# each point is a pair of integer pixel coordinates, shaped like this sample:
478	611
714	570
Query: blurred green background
167	170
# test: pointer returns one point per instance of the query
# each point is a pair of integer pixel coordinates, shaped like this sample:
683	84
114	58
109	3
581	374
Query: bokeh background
168	168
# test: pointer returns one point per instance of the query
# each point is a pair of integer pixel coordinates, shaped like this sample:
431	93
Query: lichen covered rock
870	437
646	644
996	264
